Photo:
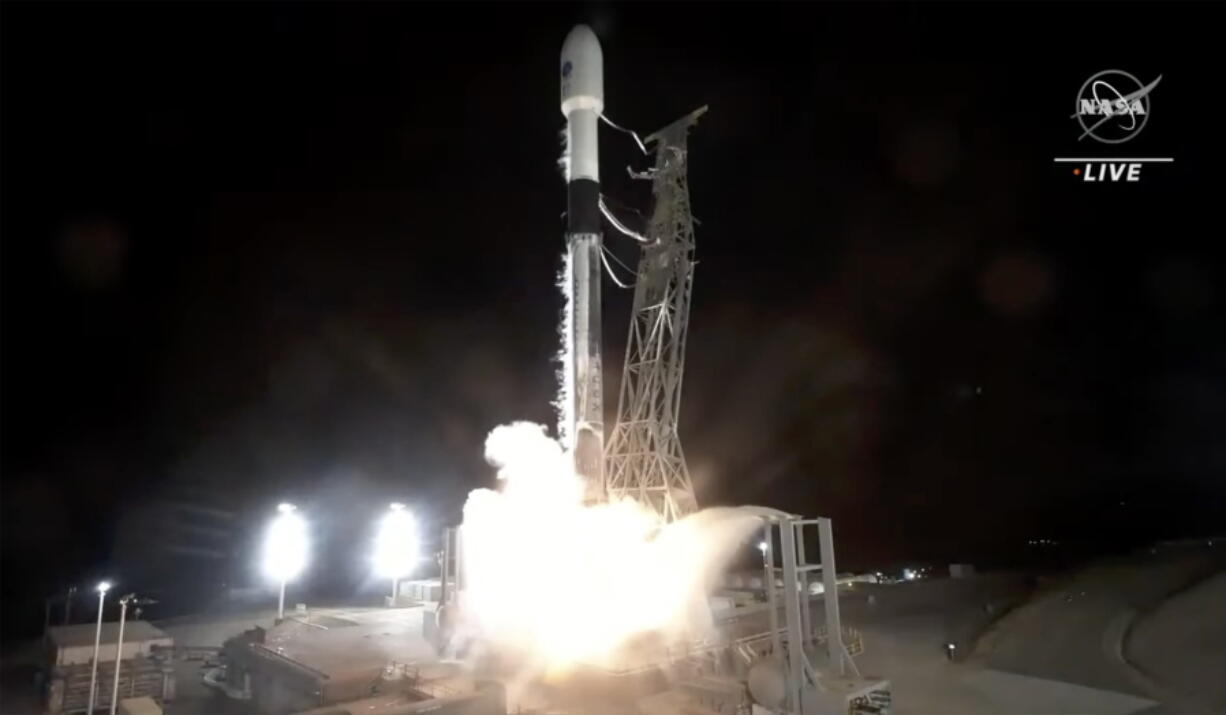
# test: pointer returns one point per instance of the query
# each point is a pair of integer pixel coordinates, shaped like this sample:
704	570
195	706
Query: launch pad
783	648
771	653
625	614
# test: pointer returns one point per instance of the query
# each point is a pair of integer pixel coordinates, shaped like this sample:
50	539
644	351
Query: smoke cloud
556	582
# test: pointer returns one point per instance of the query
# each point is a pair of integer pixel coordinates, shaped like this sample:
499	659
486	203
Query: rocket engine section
582	83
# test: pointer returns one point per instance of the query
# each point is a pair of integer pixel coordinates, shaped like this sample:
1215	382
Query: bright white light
762	546
396	549
285	545
908	574
104	586
640	578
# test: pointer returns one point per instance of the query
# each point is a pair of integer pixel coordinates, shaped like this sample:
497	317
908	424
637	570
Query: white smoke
558	583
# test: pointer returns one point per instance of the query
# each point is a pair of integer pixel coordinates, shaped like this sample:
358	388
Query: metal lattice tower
644	459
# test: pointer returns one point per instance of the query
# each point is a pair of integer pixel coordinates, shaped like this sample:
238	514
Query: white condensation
565	403
564	160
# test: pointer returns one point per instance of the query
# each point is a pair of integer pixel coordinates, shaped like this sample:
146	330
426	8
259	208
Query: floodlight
396	544
285	545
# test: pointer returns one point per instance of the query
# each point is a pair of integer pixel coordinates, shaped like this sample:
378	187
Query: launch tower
644	459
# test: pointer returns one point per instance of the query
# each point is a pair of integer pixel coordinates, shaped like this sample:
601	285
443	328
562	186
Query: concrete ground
1094	627
1144	636
346	642
1181	645
355	638
908	652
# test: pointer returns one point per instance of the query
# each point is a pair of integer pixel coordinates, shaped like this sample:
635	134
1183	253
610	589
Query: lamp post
103	587
123	612
285	550
396	546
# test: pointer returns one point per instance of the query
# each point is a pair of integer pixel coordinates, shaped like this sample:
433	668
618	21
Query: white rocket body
582	101
582	84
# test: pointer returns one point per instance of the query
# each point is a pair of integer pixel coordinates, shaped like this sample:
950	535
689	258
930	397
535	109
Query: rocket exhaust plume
556	582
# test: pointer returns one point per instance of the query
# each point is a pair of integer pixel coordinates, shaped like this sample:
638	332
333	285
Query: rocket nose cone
581	44
582	70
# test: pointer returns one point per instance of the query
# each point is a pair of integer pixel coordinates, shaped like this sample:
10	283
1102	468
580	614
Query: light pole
285	550
396	546
123	612
103	587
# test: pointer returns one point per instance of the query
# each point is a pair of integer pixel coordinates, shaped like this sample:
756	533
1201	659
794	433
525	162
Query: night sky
255	252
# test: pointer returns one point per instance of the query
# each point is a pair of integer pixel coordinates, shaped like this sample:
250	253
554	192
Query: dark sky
255	252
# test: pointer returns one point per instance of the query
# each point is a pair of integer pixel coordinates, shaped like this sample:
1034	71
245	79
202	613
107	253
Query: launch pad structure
787	652
770	654
777	645
764	655
644	459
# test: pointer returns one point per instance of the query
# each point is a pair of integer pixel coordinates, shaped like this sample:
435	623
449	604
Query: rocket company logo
1113	106
566	68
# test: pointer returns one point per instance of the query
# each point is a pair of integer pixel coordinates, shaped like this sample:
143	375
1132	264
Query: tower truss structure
644	459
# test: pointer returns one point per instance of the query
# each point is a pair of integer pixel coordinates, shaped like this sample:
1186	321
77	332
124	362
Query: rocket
582	80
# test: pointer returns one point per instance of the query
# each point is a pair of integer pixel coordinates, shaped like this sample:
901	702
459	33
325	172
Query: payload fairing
582	80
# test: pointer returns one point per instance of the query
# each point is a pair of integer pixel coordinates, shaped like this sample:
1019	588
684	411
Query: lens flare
550	578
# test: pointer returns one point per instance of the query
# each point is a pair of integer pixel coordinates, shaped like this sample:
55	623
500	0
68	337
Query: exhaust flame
550	578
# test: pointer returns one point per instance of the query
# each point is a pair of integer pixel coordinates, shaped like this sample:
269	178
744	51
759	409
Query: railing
264	651
853	640
137	677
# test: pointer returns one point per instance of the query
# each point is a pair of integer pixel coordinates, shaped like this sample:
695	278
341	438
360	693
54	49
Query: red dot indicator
1076	172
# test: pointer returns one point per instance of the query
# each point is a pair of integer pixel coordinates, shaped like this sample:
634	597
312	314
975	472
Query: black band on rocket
583	206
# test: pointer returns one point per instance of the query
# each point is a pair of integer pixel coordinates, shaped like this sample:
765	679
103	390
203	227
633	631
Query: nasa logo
1109	115
566	67
1113	107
